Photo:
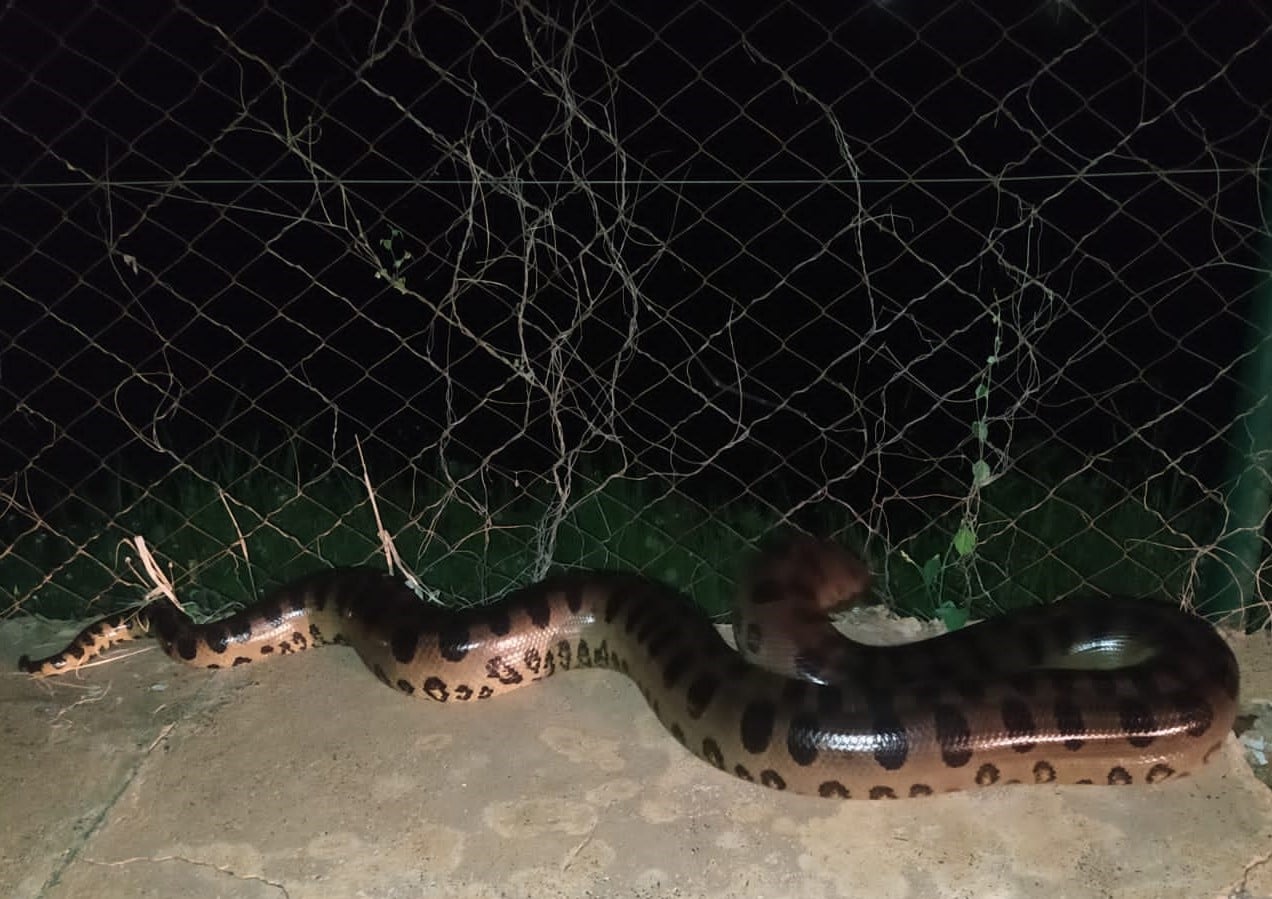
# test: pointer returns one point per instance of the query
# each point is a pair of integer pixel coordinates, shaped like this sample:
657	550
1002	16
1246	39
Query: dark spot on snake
1031	646
1103	682
917	791
1044	773
1063	681
741	772
666	637
463	692
1022	730
1083	782
214	667
405	686
1023	682
927	694
216	638
676	668
304	598
677	733
1172	669
801	739
892	745
498	621
1144	682
970	688
794	691
402	643
485	692
1196	711
265	650
498	669
1070	723
882	793
584	654
772	779
601	655
753	638
757	725
453	642
830	699
833	789
1158	773
239	629
1061	630
170	622
564	655
532	659
701	692
984	659
435	688
240	660
711	752
538	609
987	775
1119	777
1138	722
617	599
272	614
636	617
187	647
574	597
651	626
953	735
943	669
379	673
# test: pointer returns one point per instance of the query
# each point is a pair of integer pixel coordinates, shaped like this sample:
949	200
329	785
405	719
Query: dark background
829	213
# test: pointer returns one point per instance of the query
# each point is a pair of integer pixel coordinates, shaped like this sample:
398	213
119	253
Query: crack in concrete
89	826
198	863
1240	891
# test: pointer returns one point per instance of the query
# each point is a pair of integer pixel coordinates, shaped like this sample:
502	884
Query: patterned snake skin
1102	691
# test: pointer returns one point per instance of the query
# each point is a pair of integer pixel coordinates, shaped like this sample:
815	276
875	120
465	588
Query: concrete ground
305	778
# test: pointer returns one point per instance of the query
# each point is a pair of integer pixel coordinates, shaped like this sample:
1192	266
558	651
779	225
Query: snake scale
1097	691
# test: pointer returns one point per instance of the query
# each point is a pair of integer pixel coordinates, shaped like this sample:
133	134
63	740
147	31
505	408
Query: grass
472	539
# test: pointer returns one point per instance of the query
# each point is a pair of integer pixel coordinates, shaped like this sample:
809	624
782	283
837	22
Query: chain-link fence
975	289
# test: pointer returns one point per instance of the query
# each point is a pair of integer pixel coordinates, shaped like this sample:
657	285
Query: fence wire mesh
974	289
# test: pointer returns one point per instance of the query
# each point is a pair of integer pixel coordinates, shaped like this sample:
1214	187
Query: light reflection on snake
1097	691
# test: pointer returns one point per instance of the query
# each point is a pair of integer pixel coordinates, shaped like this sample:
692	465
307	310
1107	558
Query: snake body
1026	698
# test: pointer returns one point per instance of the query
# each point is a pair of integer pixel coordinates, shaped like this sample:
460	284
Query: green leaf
980	473
965	541
951	615
931	571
